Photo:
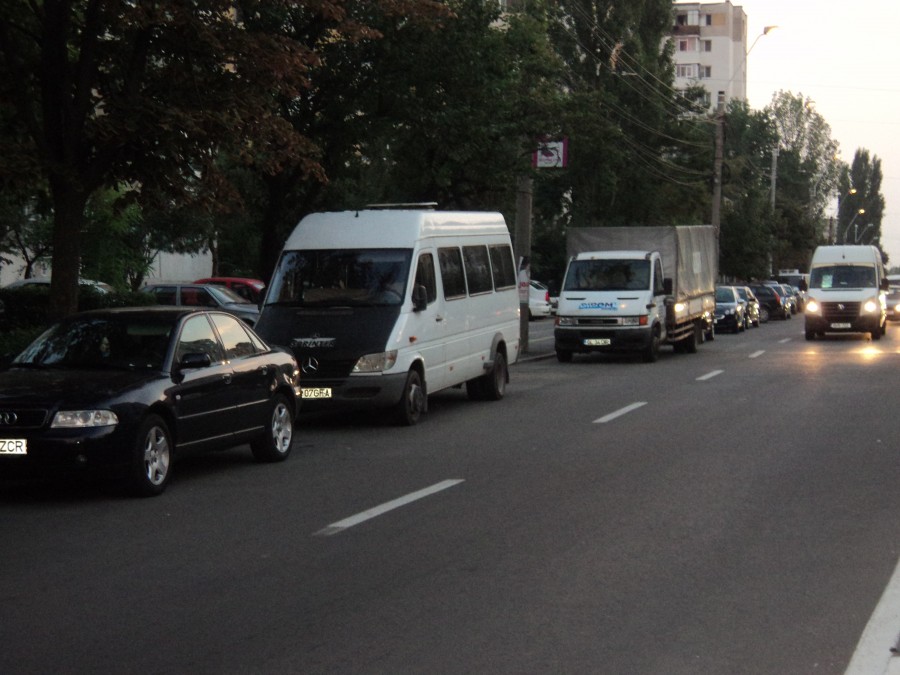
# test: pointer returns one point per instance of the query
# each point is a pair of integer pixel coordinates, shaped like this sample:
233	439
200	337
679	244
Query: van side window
452	276
502	267
425	276
478	269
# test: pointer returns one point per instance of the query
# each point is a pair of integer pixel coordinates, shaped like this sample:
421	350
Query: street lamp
766	31
850	224
857	239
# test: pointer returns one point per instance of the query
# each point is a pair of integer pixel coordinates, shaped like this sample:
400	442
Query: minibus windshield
842	276
341	277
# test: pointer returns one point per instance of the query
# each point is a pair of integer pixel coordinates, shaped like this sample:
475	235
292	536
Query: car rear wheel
764	314
274	445
151	464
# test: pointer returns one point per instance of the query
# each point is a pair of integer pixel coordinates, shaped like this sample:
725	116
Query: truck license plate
316	392
597	342
13	446
840	325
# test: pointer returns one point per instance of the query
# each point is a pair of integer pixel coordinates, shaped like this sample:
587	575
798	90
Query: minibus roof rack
410	205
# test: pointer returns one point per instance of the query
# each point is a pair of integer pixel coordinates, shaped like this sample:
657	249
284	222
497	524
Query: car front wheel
275	443
151	463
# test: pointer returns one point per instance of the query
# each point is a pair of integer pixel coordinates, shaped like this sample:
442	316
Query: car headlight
80	419
376	363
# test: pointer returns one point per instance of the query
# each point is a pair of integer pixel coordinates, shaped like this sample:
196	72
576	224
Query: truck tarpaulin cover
689	252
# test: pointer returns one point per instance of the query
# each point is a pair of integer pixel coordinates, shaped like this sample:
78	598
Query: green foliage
28	307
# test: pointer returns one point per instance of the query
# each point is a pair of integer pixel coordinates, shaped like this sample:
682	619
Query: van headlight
376	363
812	307
872	305
565	320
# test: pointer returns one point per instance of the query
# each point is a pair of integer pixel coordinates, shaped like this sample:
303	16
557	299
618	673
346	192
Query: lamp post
850	224
766	31
858	238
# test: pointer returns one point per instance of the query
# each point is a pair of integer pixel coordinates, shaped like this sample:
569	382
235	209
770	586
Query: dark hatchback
729	310
117	392
771	303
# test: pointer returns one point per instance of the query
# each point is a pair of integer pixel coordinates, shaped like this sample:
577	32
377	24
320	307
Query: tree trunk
67	225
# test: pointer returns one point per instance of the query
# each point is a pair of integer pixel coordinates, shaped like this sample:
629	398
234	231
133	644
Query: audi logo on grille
310	365
8	418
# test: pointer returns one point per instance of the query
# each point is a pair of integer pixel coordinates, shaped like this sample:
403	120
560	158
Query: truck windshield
341	277
608	275
842	276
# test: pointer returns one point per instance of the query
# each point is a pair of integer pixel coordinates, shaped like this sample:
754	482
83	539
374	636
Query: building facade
710	42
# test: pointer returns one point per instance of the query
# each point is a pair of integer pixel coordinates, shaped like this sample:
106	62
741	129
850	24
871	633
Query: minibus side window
425	276
478	269
502	267
452	276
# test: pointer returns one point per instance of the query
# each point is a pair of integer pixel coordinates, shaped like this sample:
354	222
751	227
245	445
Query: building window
705	71
687	44
693	17
686	70
707	45
709	19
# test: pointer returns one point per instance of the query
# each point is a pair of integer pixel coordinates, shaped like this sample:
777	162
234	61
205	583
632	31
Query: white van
846	292
382	307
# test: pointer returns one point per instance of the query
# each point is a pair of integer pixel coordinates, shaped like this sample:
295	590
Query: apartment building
710	48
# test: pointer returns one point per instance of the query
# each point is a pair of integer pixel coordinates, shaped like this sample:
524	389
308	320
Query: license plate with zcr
316	392
13	446
597	342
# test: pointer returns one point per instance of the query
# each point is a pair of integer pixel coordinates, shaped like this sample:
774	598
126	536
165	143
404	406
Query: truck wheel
563	355
690	344
408	410
651	353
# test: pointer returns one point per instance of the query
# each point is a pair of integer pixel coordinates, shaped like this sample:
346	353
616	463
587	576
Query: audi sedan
123	392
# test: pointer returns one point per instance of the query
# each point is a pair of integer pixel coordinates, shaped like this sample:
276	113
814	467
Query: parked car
205	295
120	392
538	300
249	289
751	306
771	304
892	300
729	309
99	286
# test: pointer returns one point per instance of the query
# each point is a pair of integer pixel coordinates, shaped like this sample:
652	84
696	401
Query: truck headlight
376	363
81	419
565	321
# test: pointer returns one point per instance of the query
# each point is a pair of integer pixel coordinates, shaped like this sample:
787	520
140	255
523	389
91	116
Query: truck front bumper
580	340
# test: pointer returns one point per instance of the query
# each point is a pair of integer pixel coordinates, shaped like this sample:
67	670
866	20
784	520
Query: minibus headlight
872	305
565	321
811	307
376	363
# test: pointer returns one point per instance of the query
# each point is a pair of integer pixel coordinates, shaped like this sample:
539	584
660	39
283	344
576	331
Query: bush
15	340
28	307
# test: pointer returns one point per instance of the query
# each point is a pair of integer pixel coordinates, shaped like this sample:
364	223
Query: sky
843	56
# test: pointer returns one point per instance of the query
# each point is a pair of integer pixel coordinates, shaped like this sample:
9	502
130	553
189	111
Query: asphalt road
731	511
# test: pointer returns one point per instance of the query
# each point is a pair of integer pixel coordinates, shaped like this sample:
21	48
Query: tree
864	178
97	94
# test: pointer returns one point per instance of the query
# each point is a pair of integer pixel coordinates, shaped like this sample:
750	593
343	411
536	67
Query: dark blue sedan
122	392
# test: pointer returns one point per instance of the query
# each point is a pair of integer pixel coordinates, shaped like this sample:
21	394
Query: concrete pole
524	191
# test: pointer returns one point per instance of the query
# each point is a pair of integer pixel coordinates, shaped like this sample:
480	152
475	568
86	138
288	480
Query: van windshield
608	275
341	277
842	276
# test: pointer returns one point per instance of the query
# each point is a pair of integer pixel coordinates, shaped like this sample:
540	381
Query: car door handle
439	318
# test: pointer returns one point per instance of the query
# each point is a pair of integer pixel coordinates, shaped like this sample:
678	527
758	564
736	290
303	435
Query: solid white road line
756	354
710	375
618	413
873	652
376	511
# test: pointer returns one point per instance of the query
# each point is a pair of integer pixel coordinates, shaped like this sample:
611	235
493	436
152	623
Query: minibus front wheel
413	403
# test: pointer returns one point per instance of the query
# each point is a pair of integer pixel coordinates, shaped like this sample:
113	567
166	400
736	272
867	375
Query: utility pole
773	177
524	190
716	215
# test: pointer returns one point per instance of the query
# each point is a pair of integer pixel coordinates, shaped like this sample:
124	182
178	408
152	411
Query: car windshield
724	295
842	276
341	277
608	275
101	342
225	295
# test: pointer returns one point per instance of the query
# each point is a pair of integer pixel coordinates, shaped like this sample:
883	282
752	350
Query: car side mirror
195	360
420	298
885	285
